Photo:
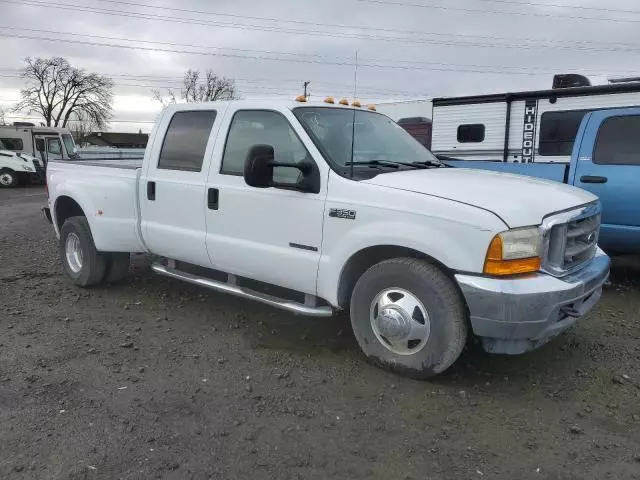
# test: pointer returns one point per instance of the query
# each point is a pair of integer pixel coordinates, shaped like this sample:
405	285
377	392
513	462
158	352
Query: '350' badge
342	213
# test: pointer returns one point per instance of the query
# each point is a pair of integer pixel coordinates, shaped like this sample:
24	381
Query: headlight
514	252
28	168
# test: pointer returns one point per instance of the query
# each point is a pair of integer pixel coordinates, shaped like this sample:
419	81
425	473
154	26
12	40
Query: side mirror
259	166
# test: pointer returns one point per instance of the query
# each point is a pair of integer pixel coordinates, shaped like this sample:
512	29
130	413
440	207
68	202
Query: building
117	140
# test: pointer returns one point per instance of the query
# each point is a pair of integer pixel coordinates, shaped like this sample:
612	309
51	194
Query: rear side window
14	144
558	131
186	141
471	133
618	141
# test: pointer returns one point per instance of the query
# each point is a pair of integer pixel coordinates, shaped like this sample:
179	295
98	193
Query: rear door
609	166
172	190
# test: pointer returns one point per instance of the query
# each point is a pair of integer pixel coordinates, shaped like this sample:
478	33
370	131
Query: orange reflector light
495	265
344	101
356	104
301	98
372	108
329	100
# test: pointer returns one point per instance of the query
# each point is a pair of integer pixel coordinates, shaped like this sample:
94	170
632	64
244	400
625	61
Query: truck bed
128	163
107	192
549	171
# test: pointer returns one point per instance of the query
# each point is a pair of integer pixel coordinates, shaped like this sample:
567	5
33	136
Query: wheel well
67	207
367	258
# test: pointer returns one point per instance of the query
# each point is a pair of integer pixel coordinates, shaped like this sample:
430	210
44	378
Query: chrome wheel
73	249
6	179
400	321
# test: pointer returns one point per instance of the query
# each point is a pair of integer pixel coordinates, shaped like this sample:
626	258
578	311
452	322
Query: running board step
289	305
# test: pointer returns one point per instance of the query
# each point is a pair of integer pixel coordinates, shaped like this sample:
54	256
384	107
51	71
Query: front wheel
82	262
8	178
408	317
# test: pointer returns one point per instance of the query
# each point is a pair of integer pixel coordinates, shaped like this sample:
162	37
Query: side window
54	146
471	133
558	131
186	140
258	127
618	141
14	144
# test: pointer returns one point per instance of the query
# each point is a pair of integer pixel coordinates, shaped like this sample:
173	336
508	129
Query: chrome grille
571	239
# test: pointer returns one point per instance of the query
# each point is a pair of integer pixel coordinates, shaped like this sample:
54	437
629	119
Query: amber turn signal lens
512	267
329	100
344	101
301	98
495	265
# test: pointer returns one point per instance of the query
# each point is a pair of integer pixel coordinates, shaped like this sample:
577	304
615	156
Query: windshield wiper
388	163
431	163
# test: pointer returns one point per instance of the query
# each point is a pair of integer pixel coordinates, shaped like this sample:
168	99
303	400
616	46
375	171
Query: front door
267	234
172	190
609	167
48	147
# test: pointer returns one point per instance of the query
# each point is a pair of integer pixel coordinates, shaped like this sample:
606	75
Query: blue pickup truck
606	162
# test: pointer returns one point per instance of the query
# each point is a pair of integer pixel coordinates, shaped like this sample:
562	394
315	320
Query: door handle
213	195
151	190
593	179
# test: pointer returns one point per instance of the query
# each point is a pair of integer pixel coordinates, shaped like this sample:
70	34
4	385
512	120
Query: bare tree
82	125
197	89
57	91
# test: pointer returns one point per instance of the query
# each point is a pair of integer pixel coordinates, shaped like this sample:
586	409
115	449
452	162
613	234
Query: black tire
94	263
117	267
444	306
8	178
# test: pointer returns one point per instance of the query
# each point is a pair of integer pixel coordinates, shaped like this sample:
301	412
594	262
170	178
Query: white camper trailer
535	126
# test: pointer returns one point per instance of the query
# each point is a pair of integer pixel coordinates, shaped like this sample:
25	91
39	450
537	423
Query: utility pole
305	85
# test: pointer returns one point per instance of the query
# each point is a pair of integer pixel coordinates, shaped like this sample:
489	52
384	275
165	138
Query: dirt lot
155	379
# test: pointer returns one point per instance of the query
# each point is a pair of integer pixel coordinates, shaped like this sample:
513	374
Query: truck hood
520	201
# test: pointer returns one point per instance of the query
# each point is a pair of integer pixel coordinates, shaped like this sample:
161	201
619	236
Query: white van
44	143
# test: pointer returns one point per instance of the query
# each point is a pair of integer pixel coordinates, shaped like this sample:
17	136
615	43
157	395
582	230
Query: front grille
571	240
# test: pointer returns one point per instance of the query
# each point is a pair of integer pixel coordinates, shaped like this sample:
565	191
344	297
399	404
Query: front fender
458	246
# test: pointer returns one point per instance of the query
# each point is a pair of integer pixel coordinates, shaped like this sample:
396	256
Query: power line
406	65
556	5
370	91
500	12
351	27
322	33
253	57
110	121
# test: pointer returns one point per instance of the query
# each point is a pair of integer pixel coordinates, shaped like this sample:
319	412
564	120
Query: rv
535	126
44	143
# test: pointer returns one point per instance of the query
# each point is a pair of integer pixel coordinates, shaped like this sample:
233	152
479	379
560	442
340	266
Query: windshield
377	137
68	144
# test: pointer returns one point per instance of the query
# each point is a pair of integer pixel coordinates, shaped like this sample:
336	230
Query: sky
405	49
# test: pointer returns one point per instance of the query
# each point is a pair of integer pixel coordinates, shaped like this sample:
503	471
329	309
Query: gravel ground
156	379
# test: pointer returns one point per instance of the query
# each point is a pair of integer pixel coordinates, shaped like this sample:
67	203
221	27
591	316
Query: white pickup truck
316	208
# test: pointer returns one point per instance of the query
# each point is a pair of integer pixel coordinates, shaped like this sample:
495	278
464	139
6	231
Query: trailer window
558	131
186	141
13	144
618	141
471	133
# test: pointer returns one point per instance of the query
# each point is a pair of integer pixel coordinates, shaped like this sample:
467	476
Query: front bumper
516	315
